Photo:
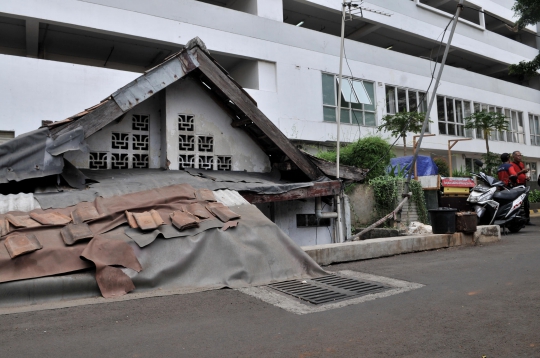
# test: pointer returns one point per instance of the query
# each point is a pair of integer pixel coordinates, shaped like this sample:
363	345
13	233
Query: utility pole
432	99
344	6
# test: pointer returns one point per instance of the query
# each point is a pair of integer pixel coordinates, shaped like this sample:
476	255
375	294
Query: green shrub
461	173
367	153
442	165
534	196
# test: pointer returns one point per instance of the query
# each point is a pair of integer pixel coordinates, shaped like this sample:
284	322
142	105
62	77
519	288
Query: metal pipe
338	117
318	211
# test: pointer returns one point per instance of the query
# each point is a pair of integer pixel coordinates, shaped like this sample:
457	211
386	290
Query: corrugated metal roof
19	202
230	197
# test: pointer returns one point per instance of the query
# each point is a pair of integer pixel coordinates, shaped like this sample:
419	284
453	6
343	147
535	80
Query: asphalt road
477	301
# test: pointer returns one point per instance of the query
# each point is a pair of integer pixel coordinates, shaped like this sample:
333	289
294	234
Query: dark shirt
521	178
505	171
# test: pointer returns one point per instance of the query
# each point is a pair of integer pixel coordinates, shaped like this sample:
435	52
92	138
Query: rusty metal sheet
222	212
198	210
18	245
104	253
74	233
151	82
53	218
205	194
229	225
22	221
82	214
183	220
133	94
165	74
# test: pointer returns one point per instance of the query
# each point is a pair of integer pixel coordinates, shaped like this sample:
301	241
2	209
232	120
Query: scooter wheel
515	228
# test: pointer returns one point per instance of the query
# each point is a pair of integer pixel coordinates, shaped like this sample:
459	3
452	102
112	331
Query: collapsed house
180	152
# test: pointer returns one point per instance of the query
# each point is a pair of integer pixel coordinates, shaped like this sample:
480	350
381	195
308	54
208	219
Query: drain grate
326	289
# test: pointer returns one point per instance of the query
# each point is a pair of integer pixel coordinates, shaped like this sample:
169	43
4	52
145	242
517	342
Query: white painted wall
101	140
285	218
189	96
33	90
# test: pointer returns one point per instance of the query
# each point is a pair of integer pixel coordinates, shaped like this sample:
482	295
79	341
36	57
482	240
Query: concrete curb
389	246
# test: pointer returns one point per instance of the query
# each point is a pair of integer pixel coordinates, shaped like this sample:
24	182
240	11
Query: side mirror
478	163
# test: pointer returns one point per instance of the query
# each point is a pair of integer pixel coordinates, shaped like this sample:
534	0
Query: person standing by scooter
522	178
506	172
519	167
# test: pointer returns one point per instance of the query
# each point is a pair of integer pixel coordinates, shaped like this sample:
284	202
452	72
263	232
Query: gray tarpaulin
125	181
35	154
256	252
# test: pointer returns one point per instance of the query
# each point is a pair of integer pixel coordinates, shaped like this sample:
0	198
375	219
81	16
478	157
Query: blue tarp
425	165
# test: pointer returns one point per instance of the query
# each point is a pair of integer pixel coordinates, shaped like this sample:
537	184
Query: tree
400	123
528	13
486	122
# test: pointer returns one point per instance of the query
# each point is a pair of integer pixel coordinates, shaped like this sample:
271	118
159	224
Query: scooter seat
506	196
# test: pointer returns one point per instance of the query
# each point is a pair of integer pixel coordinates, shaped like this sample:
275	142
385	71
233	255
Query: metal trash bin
466	222
443	220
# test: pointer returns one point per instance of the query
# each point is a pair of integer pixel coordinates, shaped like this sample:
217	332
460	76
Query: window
471	166
514	119
404	100
351	112
515	133
310	220
451	113
534	127
533	173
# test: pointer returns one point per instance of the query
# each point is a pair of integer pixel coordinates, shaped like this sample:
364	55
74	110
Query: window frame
351	111
515	134
534	134
458	126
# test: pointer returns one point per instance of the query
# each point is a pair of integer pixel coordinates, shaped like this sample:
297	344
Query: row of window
451	112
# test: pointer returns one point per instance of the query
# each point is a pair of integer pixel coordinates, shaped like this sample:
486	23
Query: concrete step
389	246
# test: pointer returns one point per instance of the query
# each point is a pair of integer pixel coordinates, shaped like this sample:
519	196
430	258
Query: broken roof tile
205	194
85	213
229	225
74	233
198	210
22	221
18	245
222	212
4	227
148	220
184	220
131	220
53	218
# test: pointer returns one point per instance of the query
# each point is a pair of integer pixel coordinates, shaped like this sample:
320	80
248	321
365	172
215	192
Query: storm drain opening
325	289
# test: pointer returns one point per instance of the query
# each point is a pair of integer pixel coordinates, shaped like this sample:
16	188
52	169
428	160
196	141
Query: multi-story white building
58	56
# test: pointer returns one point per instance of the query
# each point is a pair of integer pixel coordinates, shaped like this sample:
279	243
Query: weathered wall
190	97
283	214
127	135
362	205
362	202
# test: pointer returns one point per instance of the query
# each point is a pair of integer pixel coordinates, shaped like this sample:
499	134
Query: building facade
58	56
